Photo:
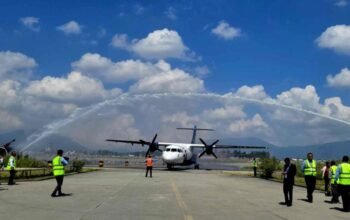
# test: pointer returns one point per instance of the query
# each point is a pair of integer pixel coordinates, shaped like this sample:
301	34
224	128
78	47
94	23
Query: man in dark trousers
149	165
255	166
58	164
309	170
289	173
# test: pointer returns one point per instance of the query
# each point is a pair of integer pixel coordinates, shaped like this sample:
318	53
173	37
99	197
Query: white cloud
171	13
341	79
336	38
341	3
169	80
255	124
72	27
9	122
159	44
97	66
9	90
149	77
201	71
76	88
226	31
254	92
15	65
224	113
31	23
301	98
120	41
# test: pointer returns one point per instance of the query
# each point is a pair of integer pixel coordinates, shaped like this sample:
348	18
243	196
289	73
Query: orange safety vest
149	162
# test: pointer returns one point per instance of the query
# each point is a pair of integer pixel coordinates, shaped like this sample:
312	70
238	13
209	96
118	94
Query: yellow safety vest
255	164
344	176
14	163
333	172
57	166
309	169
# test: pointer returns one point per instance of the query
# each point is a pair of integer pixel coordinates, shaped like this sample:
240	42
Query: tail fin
195	129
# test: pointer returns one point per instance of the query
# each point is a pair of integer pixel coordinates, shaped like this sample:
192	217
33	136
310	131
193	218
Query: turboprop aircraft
6	147
182	154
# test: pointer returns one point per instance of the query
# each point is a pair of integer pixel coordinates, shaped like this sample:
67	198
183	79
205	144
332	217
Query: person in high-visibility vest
343	179
58	164
149	165
255	166
11	166
335	194
309	170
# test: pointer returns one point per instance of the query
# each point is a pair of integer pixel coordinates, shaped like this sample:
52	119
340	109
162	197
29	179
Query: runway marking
180	201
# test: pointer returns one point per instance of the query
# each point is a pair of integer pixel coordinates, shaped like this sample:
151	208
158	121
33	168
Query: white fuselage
177	154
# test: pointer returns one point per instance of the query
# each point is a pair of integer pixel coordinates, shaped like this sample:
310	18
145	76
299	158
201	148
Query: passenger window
173	150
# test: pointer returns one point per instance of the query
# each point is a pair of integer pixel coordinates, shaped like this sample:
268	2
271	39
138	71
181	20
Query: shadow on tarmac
339	209
304	200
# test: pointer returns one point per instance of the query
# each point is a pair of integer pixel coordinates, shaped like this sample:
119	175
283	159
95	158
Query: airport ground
186	194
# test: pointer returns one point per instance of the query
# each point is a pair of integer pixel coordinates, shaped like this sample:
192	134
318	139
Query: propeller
152	146
208	148
6	146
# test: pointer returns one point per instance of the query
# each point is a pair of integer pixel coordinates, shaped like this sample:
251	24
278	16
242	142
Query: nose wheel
169	166
196	166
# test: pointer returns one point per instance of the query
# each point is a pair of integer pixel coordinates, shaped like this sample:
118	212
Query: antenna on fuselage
195	129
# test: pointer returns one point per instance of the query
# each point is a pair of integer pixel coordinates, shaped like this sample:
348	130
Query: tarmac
182	194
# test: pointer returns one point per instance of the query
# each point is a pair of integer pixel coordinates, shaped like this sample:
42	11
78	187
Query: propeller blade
147	153
214	143
214	155
154	139
200	155
160	150
203	142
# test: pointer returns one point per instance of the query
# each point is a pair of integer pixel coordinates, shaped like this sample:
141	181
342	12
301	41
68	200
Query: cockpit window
168	149
179	150
173	150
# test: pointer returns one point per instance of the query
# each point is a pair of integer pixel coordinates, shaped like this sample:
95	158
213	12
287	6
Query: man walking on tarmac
11	166
335	194
255	166
309	170
343	179
149	165
58	164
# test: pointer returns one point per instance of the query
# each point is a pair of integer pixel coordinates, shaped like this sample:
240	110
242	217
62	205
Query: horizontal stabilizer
198	129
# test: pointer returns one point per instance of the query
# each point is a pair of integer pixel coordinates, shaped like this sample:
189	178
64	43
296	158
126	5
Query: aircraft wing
220	146
239	147
136	142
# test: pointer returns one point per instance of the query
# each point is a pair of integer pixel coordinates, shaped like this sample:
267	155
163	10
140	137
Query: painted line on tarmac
180	200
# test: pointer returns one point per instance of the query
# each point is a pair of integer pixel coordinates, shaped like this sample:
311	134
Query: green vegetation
257	154
268	166
26	161
77	165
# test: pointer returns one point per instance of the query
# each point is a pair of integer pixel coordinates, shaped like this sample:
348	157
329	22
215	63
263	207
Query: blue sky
274	45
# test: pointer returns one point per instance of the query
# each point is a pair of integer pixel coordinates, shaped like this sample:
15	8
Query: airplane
6	147
182	154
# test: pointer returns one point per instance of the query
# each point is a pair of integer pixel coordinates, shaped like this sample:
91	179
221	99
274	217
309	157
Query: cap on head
332	162
149	155
345	159
287	160
13	153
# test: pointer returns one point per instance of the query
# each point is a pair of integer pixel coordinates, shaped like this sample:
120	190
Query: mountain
327	151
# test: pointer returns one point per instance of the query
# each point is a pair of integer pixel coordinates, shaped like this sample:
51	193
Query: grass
34	174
